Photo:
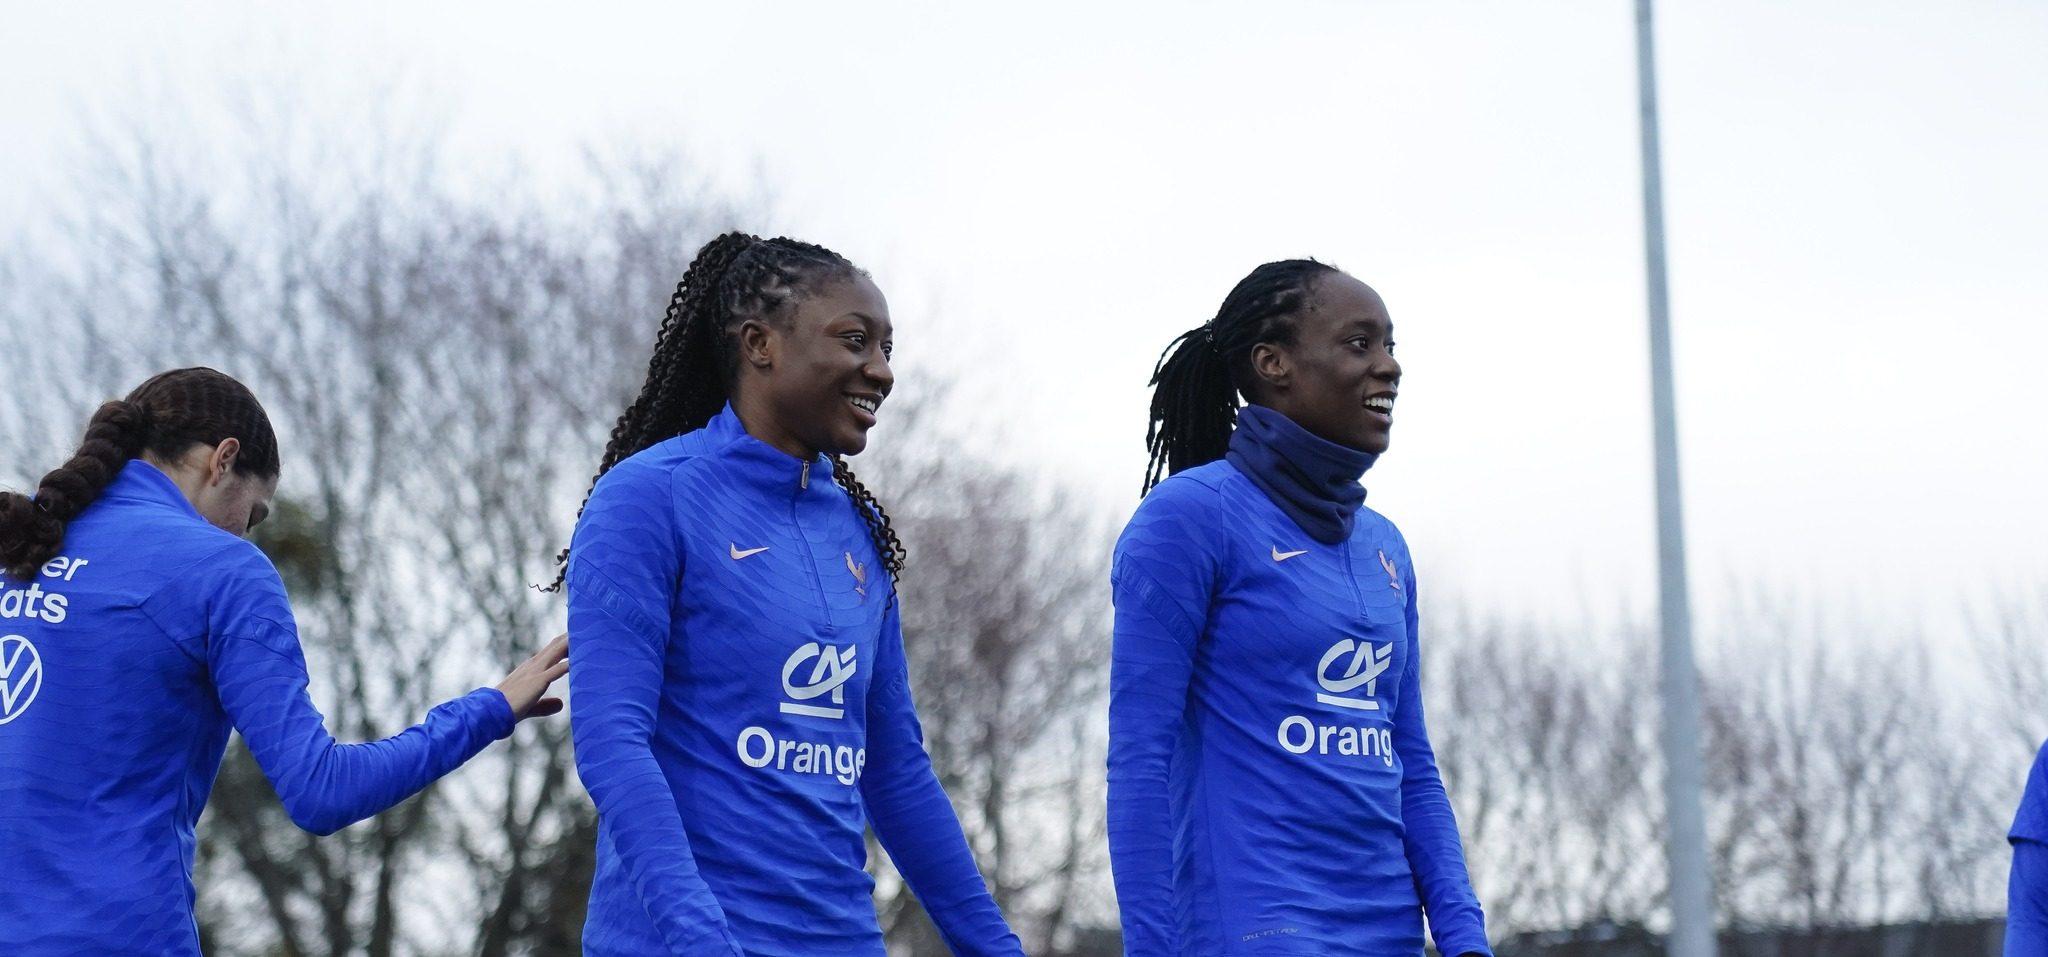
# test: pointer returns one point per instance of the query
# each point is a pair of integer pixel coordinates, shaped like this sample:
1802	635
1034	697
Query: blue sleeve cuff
497	718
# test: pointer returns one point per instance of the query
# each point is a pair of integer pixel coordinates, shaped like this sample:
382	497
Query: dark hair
1198	378
734	278
165	417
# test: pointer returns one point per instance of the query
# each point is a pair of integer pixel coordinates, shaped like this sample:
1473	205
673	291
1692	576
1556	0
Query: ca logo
829	676
21	676
1364	668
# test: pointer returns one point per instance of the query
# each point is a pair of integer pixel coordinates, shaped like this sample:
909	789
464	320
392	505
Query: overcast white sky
1050	192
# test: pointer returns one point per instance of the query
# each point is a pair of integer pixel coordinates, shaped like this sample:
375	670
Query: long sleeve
2026	912
2026	903
624	569
1161	582
259	672
2026	906
913	818
1430	829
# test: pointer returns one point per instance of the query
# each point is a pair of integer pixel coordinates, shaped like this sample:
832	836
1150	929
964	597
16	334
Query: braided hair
735	277
1199	376
164	417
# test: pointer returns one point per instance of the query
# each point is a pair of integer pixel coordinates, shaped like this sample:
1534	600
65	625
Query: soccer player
137	628
743	709
2026	911
1271	784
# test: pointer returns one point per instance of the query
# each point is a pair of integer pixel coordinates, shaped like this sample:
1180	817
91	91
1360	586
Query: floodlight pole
1692	897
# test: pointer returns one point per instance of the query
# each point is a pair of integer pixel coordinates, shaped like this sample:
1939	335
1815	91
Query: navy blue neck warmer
1313	480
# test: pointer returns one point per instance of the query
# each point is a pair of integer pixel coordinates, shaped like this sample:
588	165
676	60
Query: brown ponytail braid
164	416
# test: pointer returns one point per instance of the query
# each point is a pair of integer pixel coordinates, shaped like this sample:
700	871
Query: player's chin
1373	440
850	439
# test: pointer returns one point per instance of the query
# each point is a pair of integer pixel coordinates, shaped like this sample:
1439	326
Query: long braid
165	416
1194	407
34	529
735	277
1196	384
684	387
886	543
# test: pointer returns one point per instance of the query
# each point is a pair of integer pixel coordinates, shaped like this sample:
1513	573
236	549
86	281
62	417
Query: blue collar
140	481
1312	479
772	466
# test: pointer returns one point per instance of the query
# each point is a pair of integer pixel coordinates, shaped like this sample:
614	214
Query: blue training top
1271	784
123	664
743	710
2026	913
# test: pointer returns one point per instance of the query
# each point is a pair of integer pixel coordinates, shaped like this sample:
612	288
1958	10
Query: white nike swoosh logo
1280	556
738	554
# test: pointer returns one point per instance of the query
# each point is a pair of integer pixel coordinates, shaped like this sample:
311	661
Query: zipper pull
804	480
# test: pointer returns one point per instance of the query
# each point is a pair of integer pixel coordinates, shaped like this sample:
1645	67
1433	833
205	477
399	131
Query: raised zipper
810	563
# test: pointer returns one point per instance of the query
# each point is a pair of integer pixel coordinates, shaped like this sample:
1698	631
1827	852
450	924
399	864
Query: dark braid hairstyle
735	277
165	417
1198	378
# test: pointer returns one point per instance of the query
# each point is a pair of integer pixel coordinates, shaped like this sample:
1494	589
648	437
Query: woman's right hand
524	687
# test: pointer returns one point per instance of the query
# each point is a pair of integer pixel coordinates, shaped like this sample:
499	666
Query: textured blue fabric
742	710
2031	823
1312	479
2026	903
123	665
1271	784
2026	912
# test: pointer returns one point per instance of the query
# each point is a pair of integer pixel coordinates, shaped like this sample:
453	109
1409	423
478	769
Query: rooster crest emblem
860	575
1393	574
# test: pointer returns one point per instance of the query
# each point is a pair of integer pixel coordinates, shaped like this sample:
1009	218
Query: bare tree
1842	772
1545	743
1844	787
1006	627
2011	650
437	365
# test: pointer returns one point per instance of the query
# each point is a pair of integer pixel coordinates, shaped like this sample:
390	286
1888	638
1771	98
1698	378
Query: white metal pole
1692	899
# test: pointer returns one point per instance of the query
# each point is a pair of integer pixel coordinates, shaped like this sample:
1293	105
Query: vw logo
21	676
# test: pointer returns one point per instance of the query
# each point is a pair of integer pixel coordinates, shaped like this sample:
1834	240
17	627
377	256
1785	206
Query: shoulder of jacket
658	466
202	566
1372	519
1201	485
1182	511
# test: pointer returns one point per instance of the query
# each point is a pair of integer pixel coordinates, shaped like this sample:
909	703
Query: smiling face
812	383
1338	376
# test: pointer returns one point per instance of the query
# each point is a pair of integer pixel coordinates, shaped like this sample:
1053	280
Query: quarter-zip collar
139	481
764	463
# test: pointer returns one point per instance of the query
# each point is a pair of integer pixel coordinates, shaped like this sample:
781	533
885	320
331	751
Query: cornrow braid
1196	384
165	416
734	278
